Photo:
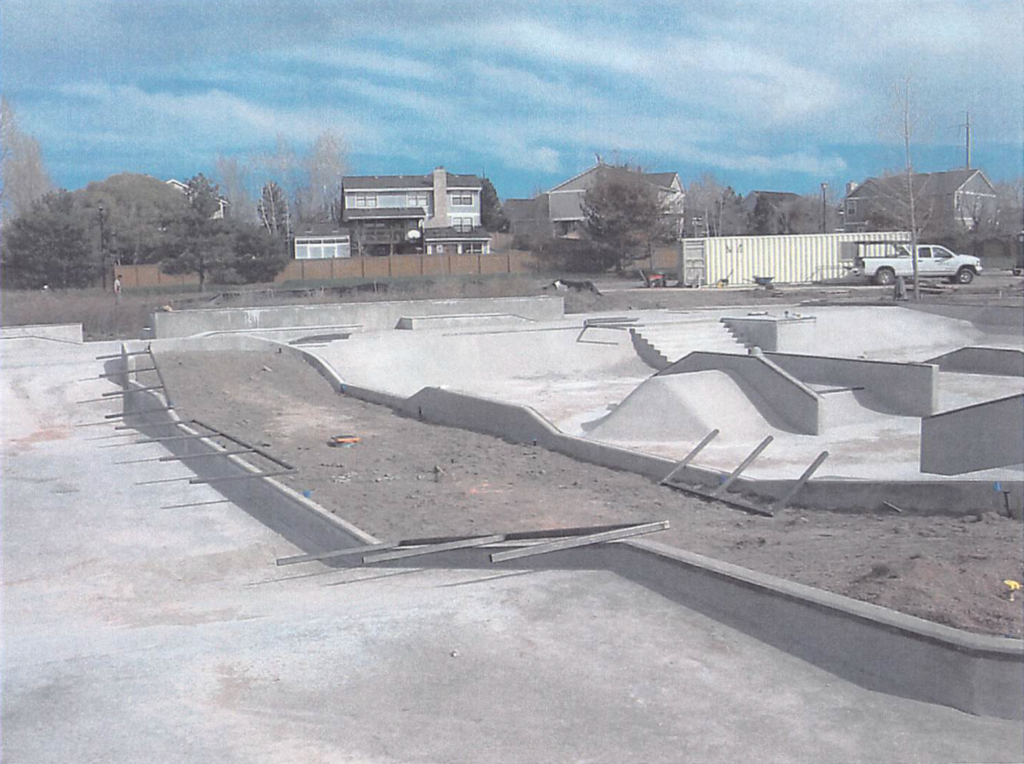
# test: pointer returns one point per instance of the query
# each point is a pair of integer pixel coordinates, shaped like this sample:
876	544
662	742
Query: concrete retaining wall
995	318
982	360
908	389
58	332
370	315
978	437
796	404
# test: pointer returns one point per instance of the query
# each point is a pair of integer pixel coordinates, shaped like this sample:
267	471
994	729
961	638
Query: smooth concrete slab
133	633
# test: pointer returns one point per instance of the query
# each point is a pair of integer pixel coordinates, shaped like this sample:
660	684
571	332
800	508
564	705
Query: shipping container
792	259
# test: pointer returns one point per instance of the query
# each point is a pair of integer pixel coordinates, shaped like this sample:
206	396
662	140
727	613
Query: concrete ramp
682	407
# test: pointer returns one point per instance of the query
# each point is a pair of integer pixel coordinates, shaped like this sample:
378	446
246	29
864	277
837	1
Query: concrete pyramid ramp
683	407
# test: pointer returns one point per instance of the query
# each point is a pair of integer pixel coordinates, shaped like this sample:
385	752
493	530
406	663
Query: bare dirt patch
408	479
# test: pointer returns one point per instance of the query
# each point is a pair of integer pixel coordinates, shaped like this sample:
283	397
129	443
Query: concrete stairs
660	345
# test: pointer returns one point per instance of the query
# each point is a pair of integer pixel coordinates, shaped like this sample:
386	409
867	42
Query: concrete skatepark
188	636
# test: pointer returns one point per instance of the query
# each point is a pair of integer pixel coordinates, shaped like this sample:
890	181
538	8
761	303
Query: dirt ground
408	479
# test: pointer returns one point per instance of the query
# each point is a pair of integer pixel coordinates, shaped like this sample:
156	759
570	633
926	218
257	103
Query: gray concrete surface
369	315
59	332
907	389
983	360
136	633
978	437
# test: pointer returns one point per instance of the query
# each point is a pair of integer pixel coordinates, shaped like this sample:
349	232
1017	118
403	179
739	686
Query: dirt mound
683	407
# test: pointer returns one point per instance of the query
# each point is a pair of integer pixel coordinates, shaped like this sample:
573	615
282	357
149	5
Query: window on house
461	199
366	201
417	200
440	249
473	248
851	207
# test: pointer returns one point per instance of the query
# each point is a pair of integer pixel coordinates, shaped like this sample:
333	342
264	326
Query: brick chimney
850	187
440	217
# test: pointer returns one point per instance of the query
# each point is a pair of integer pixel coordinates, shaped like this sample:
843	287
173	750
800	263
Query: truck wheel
964	276
885	276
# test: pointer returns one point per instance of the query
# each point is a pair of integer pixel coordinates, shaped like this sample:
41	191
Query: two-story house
960	199
436	213
560	211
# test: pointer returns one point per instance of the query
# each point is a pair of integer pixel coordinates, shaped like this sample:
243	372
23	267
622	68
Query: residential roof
319	229
451	234
659	179
927	183
403	182
391	213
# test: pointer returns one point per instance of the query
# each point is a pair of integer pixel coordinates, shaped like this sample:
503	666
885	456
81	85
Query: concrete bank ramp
680	407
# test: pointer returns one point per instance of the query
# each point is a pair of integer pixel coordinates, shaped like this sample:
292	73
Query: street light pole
103	251
824	207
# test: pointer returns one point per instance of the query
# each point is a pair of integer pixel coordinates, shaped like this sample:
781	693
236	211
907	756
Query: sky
780	95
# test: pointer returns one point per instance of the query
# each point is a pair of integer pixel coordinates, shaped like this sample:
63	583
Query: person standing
117	288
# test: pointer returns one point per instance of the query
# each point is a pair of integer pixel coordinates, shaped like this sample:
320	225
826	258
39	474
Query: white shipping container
793	259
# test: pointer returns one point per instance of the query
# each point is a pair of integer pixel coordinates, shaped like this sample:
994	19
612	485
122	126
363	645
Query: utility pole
967	154
103	250
824	207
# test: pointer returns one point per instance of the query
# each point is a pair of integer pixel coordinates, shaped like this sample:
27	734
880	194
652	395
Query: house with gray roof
436	213
559	211
955	199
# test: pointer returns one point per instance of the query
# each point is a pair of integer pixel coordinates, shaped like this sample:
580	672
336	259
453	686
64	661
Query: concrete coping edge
988	646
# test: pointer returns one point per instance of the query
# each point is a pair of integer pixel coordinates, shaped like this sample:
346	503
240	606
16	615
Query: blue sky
765	95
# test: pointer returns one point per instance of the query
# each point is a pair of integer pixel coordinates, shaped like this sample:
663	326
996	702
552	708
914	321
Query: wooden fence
395	266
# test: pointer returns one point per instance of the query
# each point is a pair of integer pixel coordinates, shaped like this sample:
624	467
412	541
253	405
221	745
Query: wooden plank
337	553
198	481
572	543
690	456
552	533
732	501
743	465
401	554
819	459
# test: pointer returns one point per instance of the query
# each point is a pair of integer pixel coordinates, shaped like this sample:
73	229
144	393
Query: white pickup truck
933	262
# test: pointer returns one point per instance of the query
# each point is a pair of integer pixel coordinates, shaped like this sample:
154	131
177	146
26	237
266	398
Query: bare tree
325	165
234	183
280	166
23	176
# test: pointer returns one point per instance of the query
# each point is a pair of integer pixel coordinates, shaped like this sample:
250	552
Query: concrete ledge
458	321
57	332
983	360
773	333
978	437
908	389
370	315
797	405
